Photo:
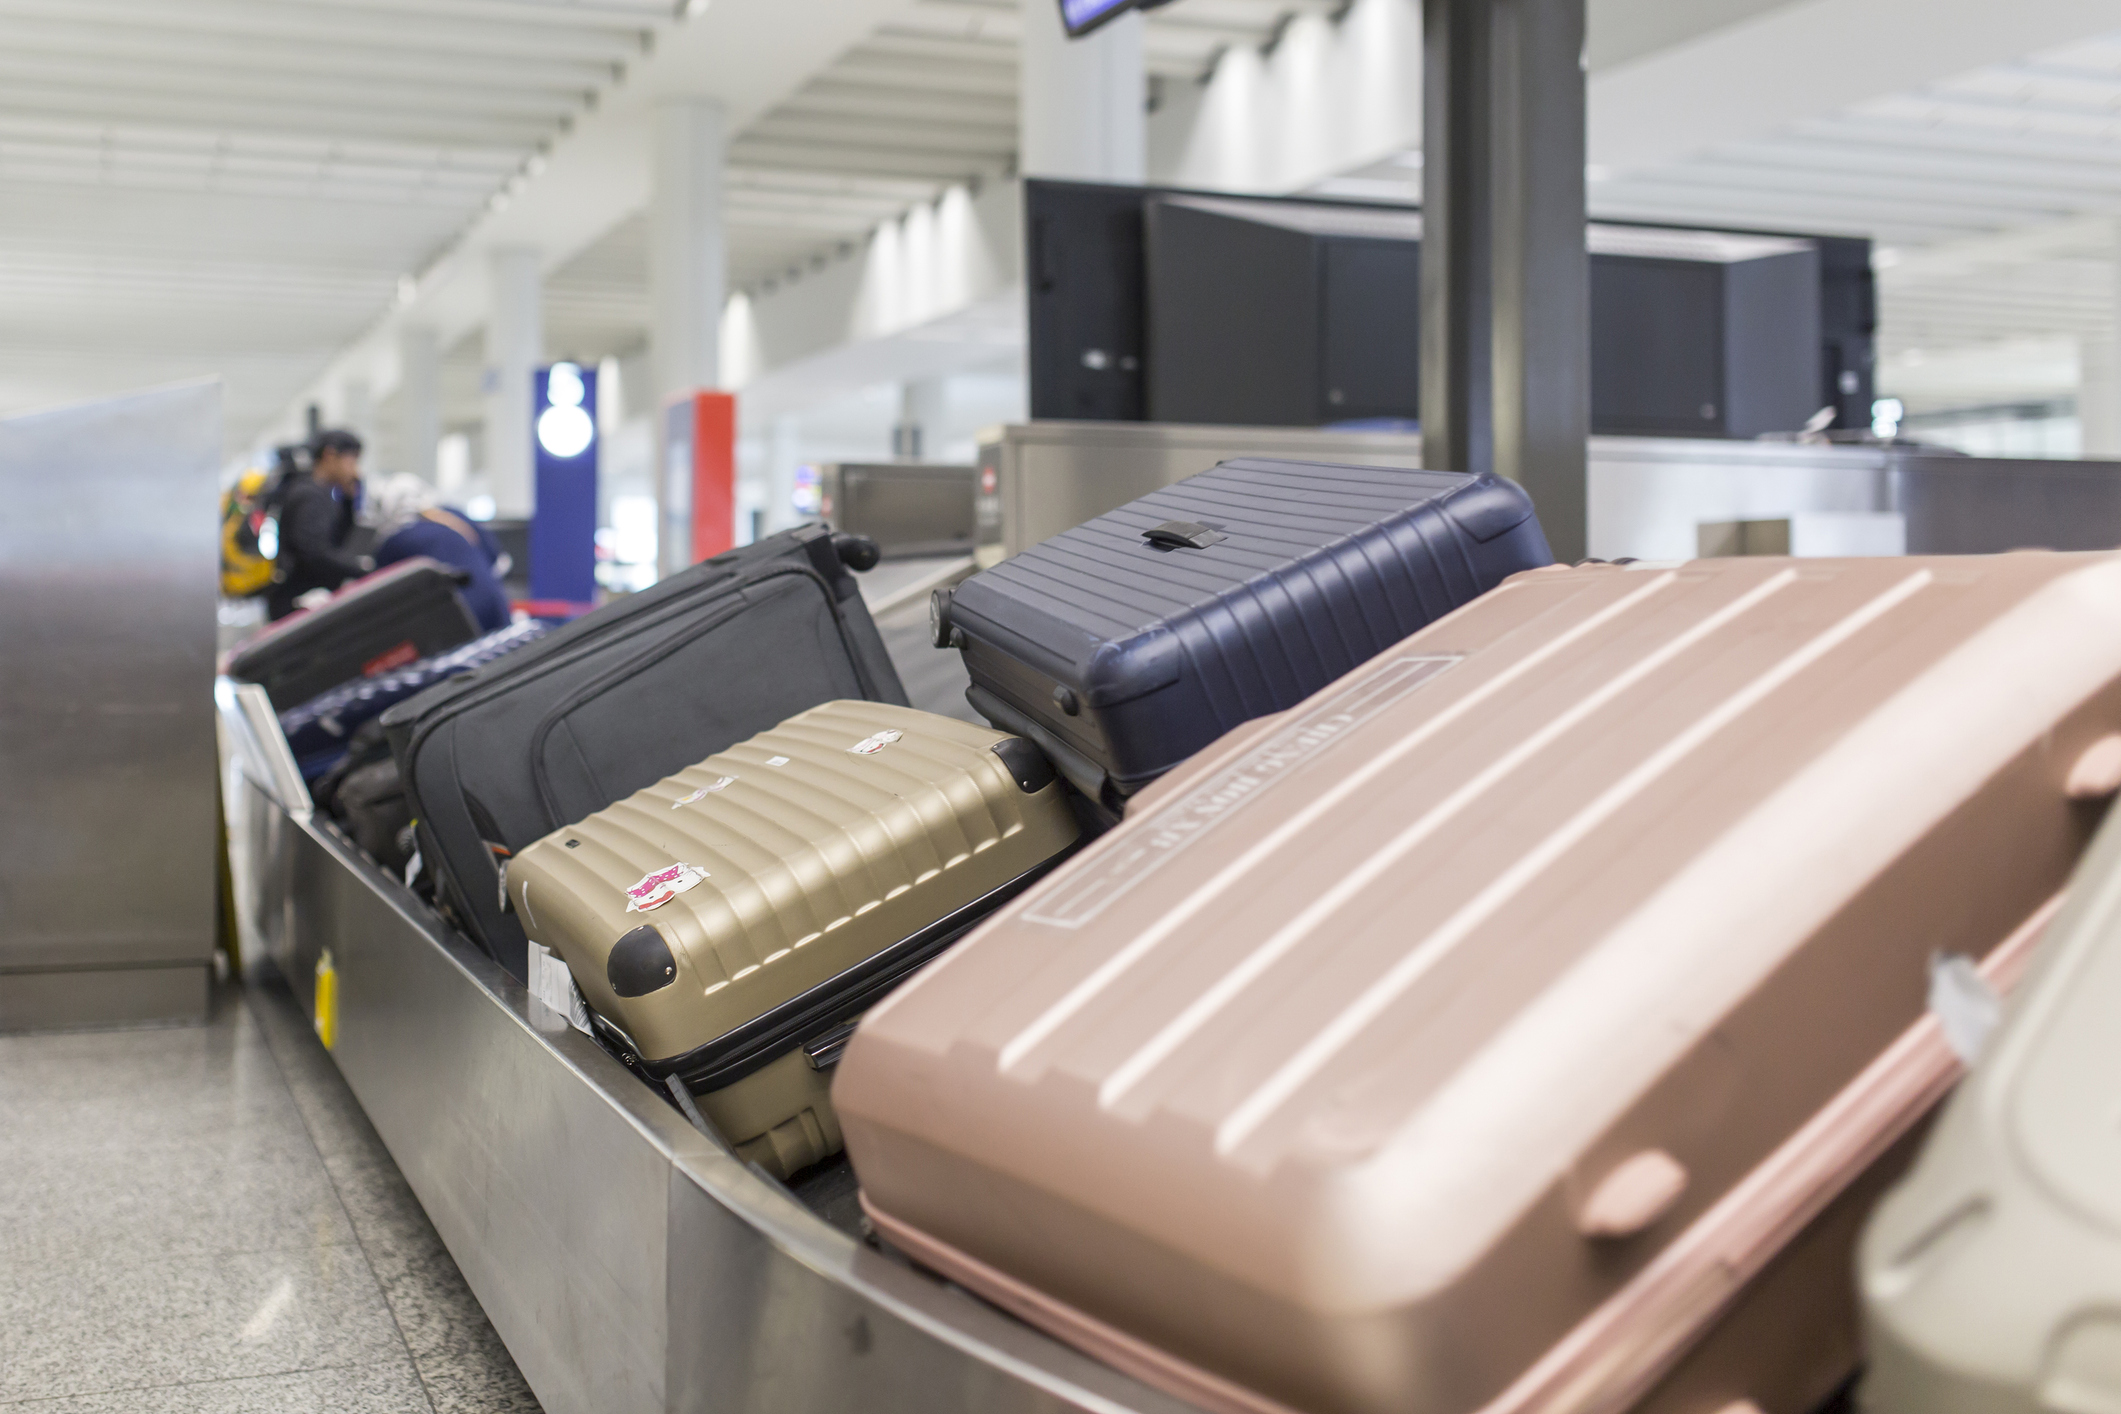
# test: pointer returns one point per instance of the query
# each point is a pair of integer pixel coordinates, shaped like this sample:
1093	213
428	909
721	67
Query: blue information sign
563	529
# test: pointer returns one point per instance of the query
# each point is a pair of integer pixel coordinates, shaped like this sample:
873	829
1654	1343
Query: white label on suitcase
776	760
551	983
703	792
656	889
870	745
1075	901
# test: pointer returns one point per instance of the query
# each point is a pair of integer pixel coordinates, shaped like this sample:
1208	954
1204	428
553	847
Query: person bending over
410	520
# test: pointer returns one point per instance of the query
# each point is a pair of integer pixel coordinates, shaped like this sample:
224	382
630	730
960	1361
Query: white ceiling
242	186
236	186
928	100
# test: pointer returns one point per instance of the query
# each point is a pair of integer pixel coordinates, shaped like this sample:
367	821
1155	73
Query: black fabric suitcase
621	698
380	621
317	731
1127	644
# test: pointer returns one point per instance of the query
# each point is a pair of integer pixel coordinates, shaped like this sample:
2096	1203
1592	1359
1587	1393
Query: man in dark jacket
316	517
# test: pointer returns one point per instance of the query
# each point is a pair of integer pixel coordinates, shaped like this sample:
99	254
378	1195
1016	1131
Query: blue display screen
1082	16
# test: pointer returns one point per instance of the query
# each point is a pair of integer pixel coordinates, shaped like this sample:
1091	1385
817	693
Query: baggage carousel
632	1264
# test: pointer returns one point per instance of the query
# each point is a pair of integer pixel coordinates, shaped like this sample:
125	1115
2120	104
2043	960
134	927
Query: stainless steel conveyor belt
631	1264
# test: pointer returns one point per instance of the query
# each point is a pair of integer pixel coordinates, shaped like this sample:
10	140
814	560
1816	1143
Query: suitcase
380	621
370	802
728	924
1991	1278
317	731
1127	644
1520	1023
622	697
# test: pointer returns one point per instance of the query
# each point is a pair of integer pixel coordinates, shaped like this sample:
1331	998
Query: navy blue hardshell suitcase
1127	644
317	730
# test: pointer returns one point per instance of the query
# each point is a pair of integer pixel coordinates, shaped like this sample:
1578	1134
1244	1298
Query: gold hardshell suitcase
729	923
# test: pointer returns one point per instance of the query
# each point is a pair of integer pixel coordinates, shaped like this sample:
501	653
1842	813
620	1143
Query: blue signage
563	528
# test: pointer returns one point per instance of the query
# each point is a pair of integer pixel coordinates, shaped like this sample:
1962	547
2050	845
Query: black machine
1172	306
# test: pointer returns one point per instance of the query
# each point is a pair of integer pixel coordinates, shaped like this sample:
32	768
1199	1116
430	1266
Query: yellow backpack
246	565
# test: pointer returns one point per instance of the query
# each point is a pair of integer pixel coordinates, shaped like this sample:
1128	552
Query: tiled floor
199	1220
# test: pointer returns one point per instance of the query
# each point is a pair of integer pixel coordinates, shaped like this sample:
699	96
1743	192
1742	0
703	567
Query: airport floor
200	1220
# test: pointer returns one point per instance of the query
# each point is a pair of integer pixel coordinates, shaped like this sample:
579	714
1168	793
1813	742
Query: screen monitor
1079	17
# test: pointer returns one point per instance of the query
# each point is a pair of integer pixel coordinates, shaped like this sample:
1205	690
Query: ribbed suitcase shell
1991	1278
621	698
1318	569
381	621
1500	1029
840	850
317	730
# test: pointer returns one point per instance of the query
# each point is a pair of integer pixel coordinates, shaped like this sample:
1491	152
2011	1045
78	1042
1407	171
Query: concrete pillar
515	343
419	430
784	454
688	266
1082	113
2099	395
1505	283
922	403
357	409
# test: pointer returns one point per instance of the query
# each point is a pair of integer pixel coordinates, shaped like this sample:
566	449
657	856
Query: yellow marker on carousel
327	999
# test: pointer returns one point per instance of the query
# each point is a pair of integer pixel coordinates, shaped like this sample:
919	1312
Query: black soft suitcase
396	616
623	697
1127	644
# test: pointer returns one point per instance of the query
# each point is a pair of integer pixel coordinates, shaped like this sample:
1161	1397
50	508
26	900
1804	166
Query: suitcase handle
856	552
1183	535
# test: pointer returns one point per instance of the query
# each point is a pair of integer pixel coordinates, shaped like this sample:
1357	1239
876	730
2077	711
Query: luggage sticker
656	889
875	742
776	760
703	792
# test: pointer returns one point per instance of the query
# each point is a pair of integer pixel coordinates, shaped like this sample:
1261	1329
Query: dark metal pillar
1505	283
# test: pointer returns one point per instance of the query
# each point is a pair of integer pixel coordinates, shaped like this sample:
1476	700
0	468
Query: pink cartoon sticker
656	889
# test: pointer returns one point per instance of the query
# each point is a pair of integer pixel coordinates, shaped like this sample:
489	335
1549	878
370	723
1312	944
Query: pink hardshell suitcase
1524	1022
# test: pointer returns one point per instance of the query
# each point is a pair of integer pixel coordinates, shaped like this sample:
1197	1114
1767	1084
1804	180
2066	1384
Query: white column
357	408
1083	104
515	342
2099	373
688	266
2099	395
921	406
784	454
419	400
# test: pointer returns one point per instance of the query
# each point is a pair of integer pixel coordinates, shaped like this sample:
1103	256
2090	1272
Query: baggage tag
553	985
1964	1003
